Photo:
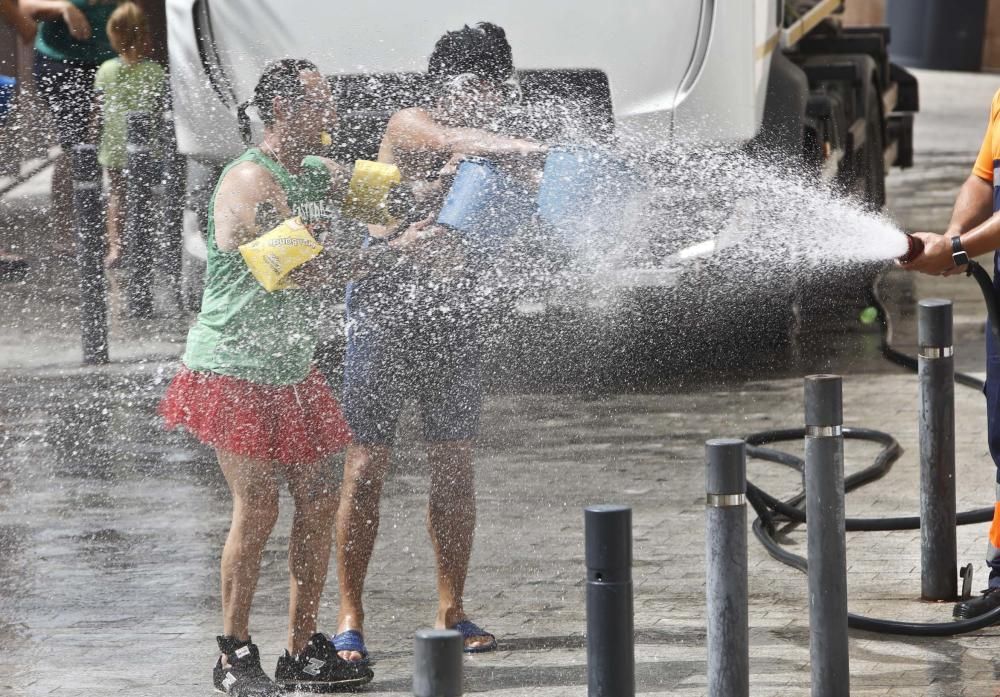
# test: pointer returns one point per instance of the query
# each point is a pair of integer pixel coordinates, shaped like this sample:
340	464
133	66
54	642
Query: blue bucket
484	203
576	182
8	88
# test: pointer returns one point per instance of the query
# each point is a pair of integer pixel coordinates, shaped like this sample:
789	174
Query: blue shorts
392	357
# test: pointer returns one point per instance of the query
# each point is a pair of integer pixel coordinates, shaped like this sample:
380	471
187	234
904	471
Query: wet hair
481	50
280	79
128	27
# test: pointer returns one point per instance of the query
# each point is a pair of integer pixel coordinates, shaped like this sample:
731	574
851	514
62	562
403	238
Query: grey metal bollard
827	546
610	615
90	236
138	245
437	663
726	568
174	177
938	516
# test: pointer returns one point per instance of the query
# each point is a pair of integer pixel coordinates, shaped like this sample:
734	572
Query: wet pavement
111	528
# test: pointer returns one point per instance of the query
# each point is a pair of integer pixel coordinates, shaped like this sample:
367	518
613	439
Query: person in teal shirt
129	82
71	43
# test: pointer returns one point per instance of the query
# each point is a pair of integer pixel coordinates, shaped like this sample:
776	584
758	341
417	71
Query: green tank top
243	330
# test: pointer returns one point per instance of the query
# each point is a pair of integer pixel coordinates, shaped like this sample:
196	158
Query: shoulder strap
281	175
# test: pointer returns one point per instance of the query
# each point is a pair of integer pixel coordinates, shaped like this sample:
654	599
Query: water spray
914	248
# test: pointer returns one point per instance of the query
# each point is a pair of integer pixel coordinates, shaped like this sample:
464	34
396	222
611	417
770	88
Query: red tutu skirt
298	423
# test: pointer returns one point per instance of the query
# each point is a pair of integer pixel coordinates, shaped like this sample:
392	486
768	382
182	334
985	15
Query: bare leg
357	525
62	218
451	520
116	219
255	510
315	493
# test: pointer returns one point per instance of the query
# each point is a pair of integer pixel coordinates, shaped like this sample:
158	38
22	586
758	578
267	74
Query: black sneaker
238	670
974	607
319	669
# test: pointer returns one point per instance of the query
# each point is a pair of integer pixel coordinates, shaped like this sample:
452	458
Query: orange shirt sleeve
984	163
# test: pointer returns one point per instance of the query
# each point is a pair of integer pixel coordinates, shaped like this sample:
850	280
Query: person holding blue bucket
414	333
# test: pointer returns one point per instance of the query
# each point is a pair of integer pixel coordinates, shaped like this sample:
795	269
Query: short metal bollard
827	546
938	516
174	178
90	236
726	568
138	243
610	615
437	663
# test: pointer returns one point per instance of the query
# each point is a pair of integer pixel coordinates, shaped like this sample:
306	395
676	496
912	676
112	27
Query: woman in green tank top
248	387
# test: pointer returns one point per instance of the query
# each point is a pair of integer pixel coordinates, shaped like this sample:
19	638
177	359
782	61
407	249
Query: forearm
13	15
983	238
477	142
339	179
43	9
973	206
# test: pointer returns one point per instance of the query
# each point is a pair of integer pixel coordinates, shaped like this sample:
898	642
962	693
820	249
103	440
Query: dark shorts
68	91
392	357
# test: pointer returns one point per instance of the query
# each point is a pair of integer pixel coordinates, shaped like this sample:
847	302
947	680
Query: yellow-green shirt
125	88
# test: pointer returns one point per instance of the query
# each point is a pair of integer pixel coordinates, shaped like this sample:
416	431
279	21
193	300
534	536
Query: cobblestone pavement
111	529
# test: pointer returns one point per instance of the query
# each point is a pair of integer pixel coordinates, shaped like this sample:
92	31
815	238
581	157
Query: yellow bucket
368	190
274	254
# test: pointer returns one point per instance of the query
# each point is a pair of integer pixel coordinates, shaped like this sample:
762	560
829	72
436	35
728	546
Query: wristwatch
958	253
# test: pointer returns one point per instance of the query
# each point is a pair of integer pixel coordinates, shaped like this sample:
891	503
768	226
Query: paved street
111	529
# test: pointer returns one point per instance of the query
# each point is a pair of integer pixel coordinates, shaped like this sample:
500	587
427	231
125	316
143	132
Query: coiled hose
770	510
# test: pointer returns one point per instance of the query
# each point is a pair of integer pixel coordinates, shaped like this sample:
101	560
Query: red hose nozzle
914	248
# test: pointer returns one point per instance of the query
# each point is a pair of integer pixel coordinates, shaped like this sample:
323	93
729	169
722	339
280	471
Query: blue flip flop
468	628
351	640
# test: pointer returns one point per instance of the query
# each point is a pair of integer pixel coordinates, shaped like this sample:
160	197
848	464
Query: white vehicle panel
644	46
726	104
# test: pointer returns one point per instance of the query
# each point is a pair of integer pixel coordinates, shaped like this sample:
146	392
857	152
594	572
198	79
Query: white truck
780	75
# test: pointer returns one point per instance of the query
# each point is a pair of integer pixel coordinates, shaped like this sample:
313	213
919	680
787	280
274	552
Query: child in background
129	82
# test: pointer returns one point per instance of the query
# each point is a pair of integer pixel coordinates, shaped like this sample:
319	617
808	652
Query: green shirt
54	41
243	330
125	88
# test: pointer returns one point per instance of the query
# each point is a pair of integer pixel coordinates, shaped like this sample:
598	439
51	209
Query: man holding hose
974	230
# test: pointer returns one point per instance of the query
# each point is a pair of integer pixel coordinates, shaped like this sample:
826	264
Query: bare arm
53	10
415	129
973	206
973	219
18	18
248	204
43	9
340	177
